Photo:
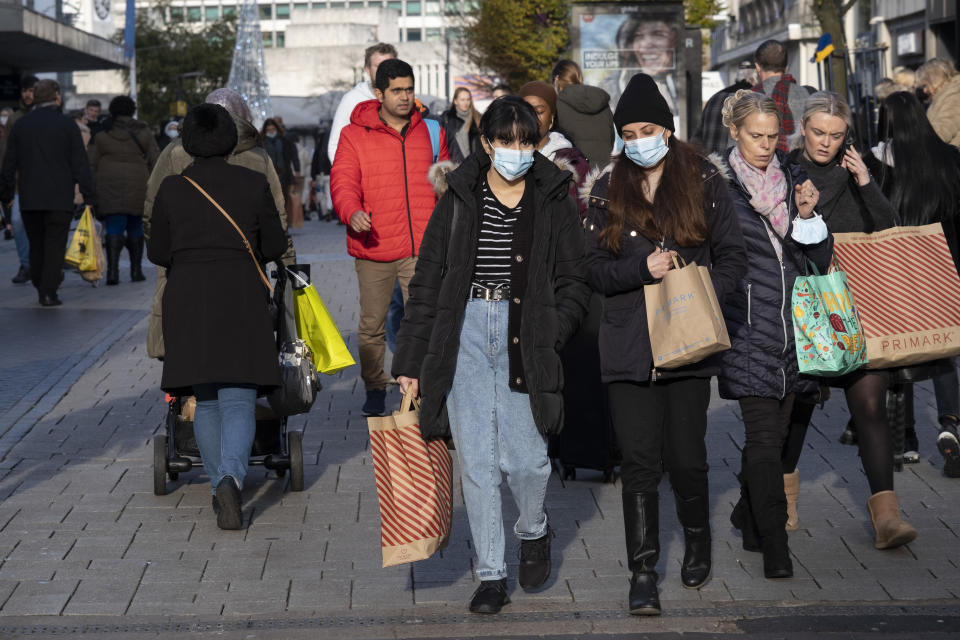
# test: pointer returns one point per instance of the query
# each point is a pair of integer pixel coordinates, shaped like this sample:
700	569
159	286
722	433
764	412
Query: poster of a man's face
617	43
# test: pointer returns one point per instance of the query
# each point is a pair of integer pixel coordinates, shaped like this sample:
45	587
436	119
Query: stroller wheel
295	444
160	465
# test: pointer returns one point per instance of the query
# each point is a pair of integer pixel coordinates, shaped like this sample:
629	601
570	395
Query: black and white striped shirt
493	263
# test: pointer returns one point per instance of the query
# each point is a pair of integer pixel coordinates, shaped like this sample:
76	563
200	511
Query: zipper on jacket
406	193
783	304
749	304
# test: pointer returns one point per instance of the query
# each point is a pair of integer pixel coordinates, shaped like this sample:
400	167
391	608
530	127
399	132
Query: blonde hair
886	86
744	103
934	73
566	73
826	102
905	76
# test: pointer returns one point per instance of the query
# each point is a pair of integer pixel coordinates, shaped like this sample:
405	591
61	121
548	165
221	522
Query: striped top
493	263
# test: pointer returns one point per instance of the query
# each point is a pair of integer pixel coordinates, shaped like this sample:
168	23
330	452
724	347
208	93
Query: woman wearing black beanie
642	212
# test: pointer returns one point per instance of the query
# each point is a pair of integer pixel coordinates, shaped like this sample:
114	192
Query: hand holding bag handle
246	243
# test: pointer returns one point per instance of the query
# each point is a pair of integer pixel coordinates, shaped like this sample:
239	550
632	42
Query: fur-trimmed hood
438	172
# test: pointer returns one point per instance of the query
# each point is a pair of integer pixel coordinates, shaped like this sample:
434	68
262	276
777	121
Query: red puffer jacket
385	174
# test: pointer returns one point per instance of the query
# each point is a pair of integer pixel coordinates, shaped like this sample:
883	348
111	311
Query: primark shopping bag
317	329
684	318
905	286
826	327
414	486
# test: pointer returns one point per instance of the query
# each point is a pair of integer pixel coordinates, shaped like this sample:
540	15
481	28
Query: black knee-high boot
769	506
694	515
641	521
113	245
135	248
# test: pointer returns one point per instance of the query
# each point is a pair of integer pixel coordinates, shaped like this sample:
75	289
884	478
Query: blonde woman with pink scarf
781	232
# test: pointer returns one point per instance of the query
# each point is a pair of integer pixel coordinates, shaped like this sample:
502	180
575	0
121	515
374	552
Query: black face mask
922	94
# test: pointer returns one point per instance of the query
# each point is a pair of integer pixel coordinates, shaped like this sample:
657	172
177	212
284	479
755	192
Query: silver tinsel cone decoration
248	74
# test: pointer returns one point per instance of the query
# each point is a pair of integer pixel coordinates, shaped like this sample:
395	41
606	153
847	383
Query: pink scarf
767	189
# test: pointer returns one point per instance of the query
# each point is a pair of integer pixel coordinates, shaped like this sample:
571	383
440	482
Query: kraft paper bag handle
676	265
409	401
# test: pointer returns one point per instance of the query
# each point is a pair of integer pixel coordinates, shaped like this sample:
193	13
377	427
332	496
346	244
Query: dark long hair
924	183
677	207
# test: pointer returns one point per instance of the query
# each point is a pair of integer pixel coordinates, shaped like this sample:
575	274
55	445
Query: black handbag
299	382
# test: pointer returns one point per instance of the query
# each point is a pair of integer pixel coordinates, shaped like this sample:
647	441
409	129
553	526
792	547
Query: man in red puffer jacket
381	192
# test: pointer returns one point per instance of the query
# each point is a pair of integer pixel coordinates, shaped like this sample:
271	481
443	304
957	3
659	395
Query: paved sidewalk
83	538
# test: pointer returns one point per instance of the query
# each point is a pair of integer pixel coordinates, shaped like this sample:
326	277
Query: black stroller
275	447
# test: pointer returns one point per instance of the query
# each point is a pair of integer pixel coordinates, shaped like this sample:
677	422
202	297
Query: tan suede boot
891	530
791	488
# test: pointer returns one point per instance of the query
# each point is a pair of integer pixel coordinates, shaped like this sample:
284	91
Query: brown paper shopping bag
684	317
414	486
907	290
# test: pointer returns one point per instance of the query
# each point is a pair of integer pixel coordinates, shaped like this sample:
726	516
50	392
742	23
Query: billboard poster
614	41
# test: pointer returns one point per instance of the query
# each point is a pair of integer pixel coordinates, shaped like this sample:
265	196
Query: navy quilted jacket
762	359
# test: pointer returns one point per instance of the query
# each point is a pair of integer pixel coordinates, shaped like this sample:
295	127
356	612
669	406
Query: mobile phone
847	144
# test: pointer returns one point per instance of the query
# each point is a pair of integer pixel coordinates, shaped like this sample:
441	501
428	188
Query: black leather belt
490	293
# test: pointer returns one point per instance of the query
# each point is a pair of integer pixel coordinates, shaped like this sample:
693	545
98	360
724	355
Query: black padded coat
549	296
762	359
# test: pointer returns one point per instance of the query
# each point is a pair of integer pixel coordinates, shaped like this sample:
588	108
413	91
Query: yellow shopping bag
81	250
316	328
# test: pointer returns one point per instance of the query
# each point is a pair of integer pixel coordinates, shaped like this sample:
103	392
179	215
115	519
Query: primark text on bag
684	318
908	308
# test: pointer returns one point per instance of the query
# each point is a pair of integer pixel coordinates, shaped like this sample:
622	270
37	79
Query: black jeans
660	426
765	421
47	232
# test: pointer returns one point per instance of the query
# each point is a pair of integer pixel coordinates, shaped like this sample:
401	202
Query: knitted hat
641	101
208	131
542	90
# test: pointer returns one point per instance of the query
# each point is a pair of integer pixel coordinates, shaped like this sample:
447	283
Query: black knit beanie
641	102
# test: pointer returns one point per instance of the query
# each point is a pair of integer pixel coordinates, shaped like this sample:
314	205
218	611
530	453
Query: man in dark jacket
711	135
45	158
27	83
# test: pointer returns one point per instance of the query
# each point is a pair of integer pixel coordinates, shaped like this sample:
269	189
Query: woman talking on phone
851	201
658	201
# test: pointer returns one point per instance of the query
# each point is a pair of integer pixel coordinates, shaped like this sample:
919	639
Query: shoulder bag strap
143	152
246	243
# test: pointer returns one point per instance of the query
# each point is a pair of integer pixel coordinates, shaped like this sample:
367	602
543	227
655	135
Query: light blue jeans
20	233
225	425
494	432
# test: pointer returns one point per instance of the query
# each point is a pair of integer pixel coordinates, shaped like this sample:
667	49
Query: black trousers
47	232
661	426
766	422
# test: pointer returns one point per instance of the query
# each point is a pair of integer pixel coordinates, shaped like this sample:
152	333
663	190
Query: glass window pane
451	7
375	4
176	14
281	39
266	12
432	35
194	14
299	6
319	5
395	5
413	8
212	14
356	5
413	35
229	12
283	11
337	5
433	8
268	39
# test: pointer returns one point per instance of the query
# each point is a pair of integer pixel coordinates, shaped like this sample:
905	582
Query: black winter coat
452	123
762	359
43	161
555	295
625	353
217	326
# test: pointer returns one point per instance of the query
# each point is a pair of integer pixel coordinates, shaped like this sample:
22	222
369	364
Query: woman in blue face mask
497	292
658	200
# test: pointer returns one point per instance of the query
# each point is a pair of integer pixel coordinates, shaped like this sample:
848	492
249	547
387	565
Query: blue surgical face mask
271	134
646	152
512	163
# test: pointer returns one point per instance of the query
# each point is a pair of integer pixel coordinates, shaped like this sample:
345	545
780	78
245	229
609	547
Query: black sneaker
22	277
490	596
227	507
534	562
949	446
376	402
911	446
